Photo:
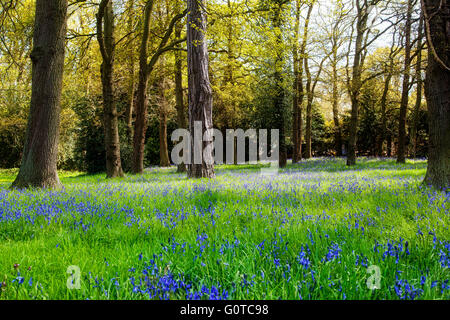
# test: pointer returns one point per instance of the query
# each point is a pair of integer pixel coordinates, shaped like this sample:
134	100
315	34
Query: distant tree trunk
387	83
437	91
199	89
401	150
309	100
39	160
105	38
335	103
356	83
389	145
181	116
419	90
163	146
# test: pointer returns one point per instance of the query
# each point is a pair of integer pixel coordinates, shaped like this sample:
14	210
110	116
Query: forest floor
316	230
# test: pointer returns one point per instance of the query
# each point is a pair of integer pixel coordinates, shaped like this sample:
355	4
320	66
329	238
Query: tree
437	84
105	37
299	94
145	69
38	167
279	94
356	81
199	91
401	151
419	89
179	96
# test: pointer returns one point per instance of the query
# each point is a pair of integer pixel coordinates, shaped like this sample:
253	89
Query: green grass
299	234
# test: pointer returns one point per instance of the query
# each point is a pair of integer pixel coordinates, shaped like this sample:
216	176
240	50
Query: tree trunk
110	120
163	147
437	91
296	154
278	99
382	135
140	124
181	116
131	70
199	91
335	103
309	100
39	160
401	150
419	90
356	84
145	69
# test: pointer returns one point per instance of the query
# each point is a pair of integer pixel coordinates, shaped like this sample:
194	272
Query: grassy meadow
316	230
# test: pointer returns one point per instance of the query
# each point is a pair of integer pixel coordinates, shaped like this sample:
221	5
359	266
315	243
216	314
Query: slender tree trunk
163	146
39	160
278	102
179	98
131	70
145	69
419	90
437	91
295	87
387	83
309	100
140	124
110	120
401	151
335	103
199	91
356	84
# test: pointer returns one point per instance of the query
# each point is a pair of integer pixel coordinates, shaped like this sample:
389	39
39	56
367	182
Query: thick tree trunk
437	91
401	151
110	119
39	160
199	91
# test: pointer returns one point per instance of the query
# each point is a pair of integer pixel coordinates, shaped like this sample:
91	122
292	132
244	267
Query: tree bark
105	38
39	160
437	91
401	151
199	90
